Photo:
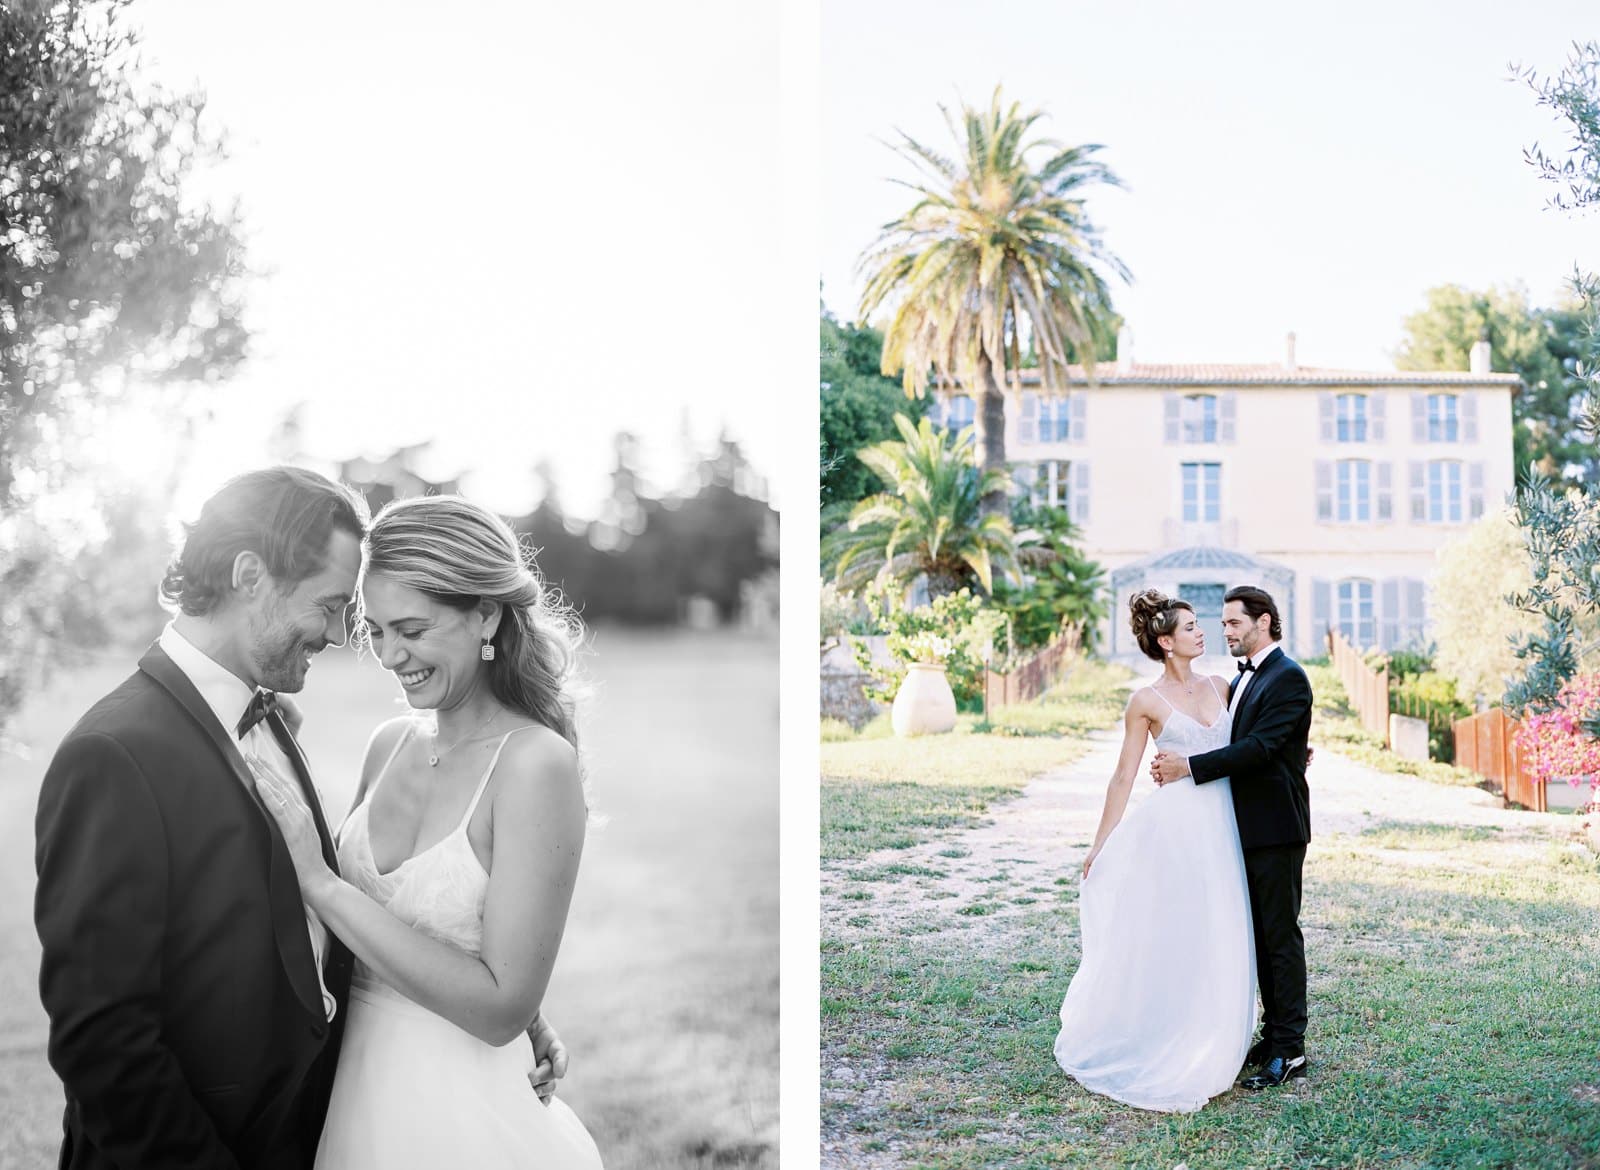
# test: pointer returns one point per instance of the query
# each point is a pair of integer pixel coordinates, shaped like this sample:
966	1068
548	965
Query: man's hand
1165	768
550	1055
1310	752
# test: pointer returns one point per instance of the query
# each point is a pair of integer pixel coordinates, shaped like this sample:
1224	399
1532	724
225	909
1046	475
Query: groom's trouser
1273	874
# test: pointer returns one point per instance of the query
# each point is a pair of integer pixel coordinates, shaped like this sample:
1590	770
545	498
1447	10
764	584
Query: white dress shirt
227	696
1256	659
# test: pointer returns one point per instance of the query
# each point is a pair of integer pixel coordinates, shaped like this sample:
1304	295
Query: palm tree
929	521
992	248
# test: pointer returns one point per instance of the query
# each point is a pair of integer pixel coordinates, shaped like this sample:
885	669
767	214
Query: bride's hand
1088	861
288	807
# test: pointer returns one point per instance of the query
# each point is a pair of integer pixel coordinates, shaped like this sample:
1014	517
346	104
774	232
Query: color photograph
1208	627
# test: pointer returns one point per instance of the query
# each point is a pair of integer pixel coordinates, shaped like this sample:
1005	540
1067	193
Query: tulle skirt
1160	1011
415	1092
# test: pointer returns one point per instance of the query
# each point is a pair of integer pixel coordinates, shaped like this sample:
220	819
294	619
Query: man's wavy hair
1256	602
283	514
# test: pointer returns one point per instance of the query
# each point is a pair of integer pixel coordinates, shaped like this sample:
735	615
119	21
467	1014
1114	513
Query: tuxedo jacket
1266	760
186	1021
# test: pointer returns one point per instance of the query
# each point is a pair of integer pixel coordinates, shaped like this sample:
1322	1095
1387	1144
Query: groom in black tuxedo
1270	700
196	1004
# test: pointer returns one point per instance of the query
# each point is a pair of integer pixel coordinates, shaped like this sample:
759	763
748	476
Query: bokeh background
512	254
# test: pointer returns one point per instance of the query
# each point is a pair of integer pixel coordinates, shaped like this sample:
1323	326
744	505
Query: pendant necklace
436	755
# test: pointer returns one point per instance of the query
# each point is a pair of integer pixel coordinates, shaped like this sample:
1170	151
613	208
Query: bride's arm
1136	726
538	816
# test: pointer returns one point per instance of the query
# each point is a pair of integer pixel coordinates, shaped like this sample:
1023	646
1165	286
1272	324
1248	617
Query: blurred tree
929	522
993	249
1562	528
119	296
1467	597
1541	346
858	408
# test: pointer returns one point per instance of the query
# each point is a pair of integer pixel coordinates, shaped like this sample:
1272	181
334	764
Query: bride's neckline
1175	709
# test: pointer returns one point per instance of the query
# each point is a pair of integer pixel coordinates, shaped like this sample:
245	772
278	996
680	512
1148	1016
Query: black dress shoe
1258	1053
1275	1072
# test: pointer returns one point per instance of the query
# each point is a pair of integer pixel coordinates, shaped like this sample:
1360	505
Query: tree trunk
990	434
945	579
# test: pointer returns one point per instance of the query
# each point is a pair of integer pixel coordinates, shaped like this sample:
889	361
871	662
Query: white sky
514	228
1312	168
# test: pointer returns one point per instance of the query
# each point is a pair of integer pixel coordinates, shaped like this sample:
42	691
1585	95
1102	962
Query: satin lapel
1252	698
302	772
283	889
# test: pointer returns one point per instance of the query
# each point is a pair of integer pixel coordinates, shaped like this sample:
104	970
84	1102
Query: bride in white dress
1160	1011
459	858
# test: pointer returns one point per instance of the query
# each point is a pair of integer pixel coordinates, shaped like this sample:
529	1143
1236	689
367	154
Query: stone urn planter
925	705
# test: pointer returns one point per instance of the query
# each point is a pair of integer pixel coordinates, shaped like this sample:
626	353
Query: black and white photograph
389	566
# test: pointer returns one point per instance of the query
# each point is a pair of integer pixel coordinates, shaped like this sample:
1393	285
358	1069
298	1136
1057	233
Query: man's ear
249	573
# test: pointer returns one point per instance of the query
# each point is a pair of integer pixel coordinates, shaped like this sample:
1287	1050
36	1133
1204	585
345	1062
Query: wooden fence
1487	744
1034	676
1368	689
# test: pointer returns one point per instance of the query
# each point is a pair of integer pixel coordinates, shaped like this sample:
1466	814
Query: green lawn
1455	1021
881	792
1454	990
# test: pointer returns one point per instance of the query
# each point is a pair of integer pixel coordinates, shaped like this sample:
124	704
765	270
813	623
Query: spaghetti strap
372	789
1162	697
483	783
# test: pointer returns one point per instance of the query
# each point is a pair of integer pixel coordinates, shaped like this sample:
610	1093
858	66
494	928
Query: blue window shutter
1080	492
1474	490
1028	424
1419	492
1419	417
1468	417
1375	419
1227	408
1079	418
1385	494
1321	611
1325	407
1324	490
1170	408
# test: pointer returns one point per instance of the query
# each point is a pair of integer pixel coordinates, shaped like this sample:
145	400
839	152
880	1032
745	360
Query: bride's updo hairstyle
1155	615
459	554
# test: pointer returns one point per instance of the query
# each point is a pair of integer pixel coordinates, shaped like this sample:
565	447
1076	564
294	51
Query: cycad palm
929	521
990	247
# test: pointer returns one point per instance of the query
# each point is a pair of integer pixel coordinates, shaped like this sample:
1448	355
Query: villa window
1353	491
1444	492
954	413
1444	423
1051	418
1197	418
1355	617
1202	493
1350	418
1058	483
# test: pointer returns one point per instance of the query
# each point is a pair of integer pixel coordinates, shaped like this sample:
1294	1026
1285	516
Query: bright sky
513	228
1305	168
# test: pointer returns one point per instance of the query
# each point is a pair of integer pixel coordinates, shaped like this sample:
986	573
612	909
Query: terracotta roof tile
1233	374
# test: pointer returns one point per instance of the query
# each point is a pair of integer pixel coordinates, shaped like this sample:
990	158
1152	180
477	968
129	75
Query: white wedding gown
1160	1011
413	1091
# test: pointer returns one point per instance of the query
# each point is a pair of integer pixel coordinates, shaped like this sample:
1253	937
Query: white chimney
1479	360
1124	350
1289	359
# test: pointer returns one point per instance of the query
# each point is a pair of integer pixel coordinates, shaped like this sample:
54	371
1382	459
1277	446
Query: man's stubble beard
275	649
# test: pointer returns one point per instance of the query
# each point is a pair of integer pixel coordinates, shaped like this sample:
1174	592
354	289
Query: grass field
667	987
1454	996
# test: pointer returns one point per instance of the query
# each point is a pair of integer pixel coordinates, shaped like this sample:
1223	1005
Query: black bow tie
262	704
1245	665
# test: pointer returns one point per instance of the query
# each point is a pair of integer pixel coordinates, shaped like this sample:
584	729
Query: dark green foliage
1562	528
1064	587
858	408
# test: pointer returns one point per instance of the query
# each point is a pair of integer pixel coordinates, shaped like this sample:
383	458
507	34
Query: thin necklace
1188	687
436	755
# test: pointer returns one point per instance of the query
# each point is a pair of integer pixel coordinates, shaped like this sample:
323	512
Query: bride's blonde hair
459	553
